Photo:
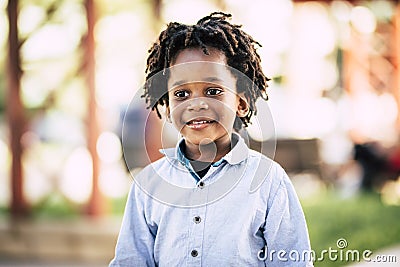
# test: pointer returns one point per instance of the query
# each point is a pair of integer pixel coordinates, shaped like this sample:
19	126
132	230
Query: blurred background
69	69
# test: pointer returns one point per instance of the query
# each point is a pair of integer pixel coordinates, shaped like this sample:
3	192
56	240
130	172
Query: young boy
211	201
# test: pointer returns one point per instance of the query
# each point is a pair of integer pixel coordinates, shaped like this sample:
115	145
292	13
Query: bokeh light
109	147
391	192
76	176
51	41
30	18
37	184
363	20
114	181
173	11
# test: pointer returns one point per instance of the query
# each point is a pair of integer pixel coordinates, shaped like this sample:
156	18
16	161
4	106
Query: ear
243	106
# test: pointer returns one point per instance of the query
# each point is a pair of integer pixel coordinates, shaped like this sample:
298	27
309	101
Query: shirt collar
235	156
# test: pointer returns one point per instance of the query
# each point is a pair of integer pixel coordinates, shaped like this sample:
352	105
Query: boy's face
203	102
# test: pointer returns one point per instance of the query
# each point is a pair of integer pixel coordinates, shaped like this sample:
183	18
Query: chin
201	140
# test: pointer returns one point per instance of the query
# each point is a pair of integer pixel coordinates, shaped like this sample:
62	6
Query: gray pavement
80	242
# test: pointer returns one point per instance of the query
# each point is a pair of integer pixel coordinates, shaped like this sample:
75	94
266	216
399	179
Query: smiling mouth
199	124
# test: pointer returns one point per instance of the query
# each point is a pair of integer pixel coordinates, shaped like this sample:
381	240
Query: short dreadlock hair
211	31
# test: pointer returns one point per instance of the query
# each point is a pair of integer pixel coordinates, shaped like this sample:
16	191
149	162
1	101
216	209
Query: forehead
197	54
192	65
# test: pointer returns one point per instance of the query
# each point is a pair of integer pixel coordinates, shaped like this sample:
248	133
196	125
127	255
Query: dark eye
213	91
181	94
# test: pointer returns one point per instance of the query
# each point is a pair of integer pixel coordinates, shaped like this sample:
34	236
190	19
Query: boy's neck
209	151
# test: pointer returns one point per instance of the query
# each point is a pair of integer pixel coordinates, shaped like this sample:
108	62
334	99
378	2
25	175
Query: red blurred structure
15	112
96	204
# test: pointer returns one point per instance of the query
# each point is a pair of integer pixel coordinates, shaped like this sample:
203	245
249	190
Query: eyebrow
207	79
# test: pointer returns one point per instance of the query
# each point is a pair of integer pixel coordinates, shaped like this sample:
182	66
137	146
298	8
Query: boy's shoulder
160	168
263	165
266	170
159	164
263	159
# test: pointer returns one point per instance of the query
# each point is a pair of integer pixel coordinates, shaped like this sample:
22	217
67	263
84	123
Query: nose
197	105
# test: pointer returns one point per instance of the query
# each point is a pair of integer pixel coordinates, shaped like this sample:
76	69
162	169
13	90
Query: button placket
196	234
201	185
197	219
194	253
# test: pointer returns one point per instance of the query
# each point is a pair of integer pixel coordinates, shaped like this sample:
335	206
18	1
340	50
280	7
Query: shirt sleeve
135	245
285	232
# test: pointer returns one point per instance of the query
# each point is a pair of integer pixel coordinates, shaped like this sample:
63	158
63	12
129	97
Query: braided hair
211	31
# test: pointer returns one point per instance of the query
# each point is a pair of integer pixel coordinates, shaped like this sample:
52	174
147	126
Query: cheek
176	111
229	110
175	118
226	114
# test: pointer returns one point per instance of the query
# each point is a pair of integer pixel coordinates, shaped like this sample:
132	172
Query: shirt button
197	219
201	185
194	253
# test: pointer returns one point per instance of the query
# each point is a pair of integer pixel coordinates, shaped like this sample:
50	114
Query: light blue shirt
243	212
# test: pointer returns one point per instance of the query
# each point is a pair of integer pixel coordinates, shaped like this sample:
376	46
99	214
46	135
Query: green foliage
4	211
118	205
55	206
2	89
364	221
58	206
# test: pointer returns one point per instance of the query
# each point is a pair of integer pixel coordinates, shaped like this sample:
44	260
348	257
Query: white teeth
199	122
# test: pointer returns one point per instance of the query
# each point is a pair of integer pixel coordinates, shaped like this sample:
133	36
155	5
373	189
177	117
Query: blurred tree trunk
96	204
15	112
